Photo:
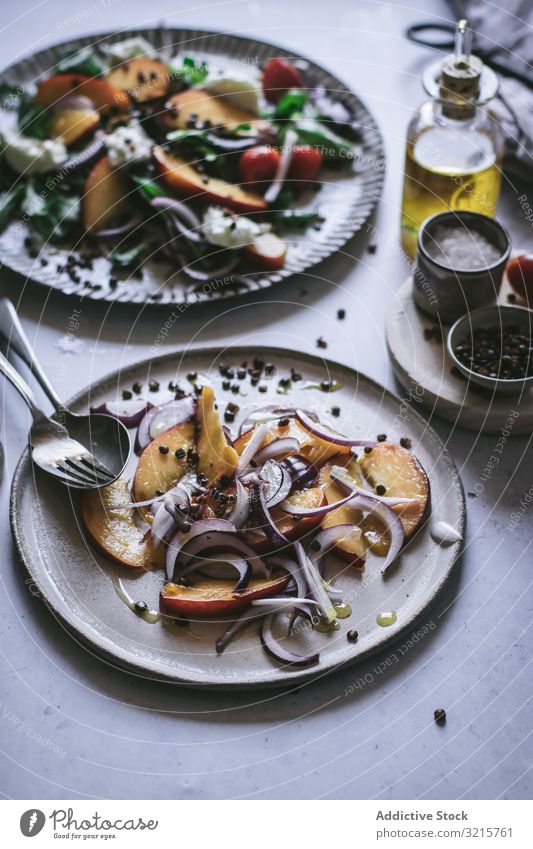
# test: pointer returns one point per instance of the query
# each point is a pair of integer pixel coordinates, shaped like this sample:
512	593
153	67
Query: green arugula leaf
291	105
292	218
149	189
9	202
83	61
53	213
128	258
314	133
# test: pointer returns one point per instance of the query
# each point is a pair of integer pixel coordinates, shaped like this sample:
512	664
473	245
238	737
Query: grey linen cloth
504	28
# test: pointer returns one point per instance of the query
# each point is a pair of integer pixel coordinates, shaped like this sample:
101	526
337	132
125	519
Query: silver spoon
102	438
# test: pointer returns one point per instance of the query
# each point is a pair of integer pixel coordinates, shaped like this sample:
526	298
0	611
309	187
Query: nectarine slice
217	458
196	106
182	178
71	125
210	598
114	531
104	199
104	96
352	549
314	449
159	469
390	466
267	251
291	527
143	78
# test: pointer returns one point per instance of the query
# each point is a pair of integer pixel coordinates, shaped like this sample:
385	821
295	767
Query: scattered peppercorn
226	384
270	368
137	388
321	342
352	636
511	297
372	249
380	489
180	453
405	442
235	388
504	353
241	374
192	375
163	449
440	716
126	395
341	315
285	382
284	422
159	492
153	386
335	411
263	388
141	606
229	417
382	437
367	449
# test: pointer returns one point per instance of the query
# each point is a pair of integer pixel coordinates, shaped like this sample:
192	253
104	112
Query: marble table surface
72	727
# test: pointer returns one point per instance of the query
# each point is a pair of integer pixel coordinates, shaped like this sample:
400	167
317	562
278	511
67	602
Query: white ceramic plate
77	583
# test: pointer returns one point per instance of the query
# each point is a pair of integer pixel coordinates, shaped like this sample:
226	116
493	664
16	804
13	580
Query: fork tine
70	470
96	466
82	467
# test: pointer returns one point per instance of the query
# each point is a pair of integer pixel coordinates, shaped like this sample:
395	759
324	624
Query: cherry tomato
306	162
520	274
258	164
278	77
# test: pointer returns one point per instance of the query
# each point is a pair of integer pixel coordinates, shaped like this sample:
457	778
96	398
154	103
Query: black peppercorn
440	716
163	449
405	442
352	636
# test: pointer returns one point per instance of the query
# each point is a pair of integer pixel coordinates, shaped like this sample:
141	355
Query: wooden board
424	368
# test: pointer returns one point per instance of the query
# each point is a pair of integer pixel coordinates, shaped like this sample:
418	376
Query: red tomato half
278	77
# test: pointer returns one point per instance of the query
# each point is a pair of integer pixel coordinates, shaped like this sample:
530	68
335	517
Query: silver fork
53	450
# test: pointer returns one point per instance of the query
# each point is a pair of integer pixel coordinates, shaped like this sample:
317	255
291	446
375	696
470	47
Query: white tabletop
73	727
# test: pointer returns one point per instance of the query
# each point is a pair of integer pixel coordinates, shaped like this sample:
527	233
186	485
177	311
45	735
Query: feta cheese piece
130	48
32	156
238	89
230	231
127	145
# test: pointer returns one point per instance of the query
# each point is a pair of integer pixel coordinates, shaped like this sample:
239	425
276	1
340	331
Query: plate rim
119	658
262	279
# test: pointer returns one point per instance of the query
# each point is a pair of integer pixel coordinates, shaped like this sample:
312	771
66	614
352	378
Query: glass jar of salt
460	260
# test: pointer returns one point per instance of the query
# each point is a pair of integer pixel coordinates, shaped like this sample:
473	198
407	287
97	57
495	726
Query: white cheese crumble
32	156
127	145
130	48
230	231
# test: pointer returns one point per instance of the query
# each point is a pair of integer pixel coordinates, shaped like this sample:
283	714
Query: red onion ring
253	446
206	276
241	511
338	473
277	482
315	585
247	617
128	419
302	472
283	655
277	448
163	417
243	569
328	436
262	517
294	570
284	164
179	208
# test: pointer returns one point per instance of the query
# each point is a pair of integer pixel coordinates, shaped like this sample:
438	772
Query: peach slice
314	449
143	78
390	466
198	106
159	469
104	199
217	458
267	251
115	532
103	95
353	549
71	125
291	527
210	598
183	179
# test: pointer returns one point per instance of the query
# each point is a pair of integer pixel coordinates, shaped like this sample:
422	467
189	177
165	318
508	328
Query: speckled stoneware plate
77	583
345	201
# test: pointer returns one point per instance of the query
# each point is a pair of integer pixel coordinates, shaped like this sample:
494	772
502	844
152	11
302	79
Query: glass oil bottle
454	145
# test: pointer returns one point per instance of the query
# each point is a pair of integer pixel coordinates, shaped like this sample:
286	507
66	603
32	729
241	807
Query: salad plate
179	165
251	542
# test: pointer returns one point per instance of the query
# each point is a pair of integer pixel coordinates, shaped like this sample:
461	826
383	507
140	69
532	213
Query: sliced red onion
178	208
241	511
163	525
232	144
196	548
277	448
284	163
246	618
315	585
219	569
268	414
283	601
294	510
279	652
277	482
302	472
339	475
83	157
129	413
77	102
262	517
329	537
120	230
392	522
206	276
294	570
329	436
202	526
175	220
161	418
253	446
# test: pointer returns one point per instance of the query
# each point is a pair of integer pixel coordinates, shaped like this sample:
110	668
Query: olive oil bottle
454	145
